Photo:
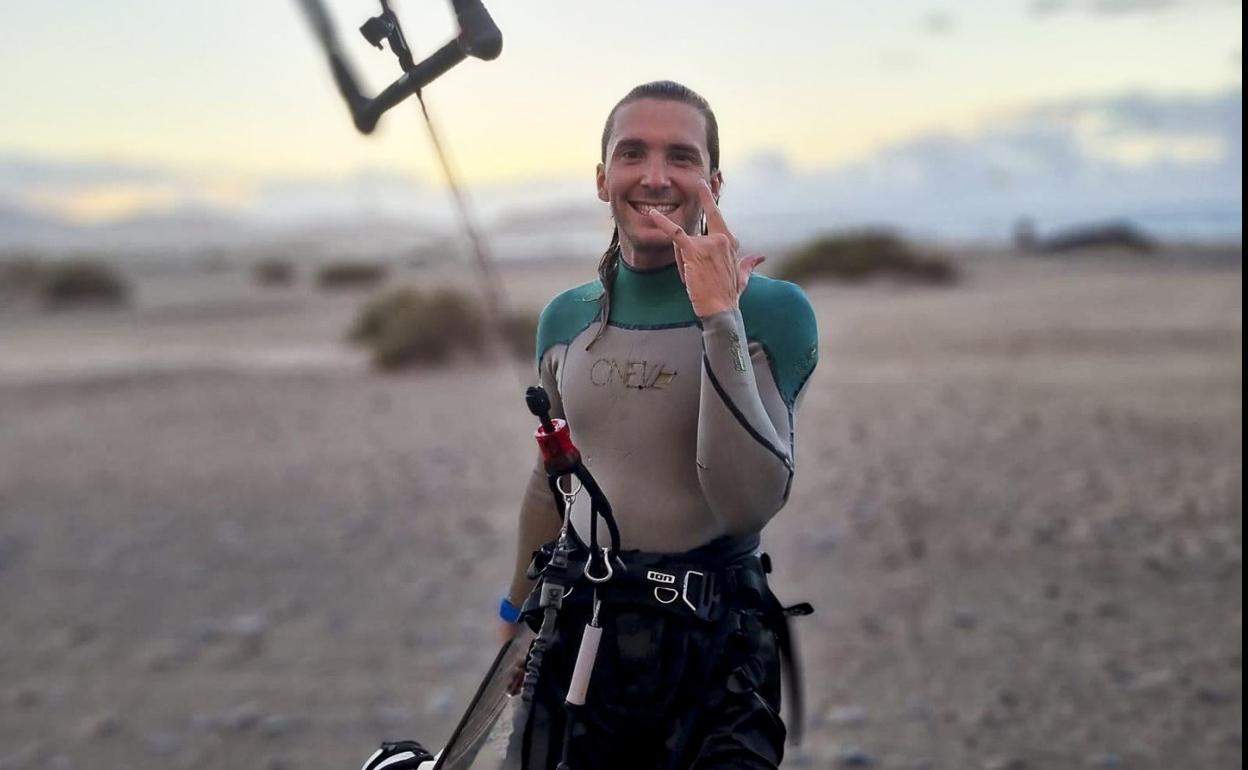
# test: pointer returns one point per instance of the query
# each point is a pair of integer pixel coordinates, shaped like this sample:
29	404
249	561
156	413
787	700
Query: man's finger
746	267
670	228
748	264
680	263
714	217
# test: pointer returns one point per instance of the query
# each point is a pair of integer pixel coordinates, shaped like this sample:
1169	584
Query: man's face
656	158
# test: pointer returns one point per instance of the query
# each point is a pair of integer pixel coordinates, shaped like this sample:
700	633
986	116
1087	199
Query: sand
226	543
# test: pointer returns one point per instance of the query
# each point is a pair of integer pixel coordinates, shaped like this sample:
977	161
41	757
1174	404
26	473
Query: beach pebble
845	716
1152	681
854	756
1105	761
100	726
162	743
439	702
242	717
27	697
1210	696
965	619
276	725
250	628
391	717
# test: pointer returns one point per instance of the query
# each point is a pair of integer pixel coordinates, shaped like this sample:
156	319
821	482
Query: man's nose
655	173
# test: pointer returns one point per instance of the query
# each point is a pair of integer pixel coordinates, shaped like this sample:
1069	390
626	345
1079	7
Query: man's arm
750	392
539	518
745	416
539	524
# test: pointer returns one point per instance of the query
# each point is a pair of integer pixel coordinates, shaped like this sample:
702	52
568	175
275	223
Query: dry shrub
80	282
520	334
859	255
274	272
351	275
412	327
20	274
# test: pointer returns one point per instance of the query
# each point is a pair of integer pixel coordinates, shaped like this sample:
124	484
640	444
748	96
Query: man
679	373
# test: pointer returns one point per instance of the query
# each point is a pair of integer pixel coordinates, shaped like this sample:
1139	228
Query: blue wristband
508	611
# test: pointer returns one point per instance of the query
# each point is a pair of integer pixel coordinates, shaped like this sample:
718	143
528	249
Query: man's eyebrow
629	144
692	149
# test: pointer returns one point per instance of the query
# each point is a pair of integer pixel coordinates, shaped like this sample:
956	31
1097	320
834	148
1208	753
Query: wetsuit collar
649	298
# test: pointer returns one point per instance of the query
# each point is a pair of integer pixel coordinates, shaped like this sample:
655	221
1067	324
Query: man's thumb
746	267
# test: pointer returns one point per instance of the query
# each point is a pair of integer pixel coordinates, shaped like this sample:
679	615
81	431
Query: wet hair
666	90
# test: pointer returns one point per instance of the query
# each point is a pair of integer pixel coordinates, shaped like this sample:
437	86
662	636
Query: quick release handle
478	34
478	37
539	405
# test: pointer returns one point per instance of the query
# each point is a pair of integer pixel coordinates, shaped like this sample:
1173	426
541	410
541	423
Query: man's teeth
662	208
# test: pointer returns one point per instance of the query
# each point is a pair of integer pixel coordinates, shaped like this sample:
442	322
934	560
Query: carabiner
606	560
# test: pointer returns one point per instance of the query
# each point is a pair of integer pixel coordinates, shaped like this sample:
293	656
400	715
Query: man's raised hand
713	274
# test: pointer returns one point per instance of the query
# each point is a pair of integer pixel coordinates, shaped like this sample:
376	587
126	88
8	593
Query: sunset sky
117	108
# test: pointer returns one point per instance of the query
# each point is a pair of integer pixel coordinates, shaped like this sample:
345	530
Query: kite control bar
478	37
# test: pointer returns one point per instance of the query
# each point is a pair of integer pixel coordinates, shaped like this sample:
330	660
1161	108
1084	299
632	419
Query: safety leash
562	460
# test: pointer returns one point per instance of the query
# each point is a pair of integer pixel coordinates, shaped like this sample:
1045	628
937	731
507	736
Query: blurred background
259	470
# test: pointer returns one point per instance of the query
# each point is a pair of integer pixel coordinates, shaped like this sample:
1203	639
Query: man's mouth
643	207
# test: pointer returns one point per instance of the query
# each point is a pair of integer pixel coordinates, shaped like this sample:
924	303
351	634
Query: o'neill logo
630	374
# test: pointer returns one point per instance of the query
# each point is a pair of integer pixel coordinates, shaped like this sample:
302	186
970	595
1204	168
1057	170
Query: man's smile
643	207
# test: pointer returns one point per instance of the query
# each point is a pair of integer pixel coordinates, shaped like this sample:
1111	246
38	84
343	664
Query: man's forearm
539	523
744	459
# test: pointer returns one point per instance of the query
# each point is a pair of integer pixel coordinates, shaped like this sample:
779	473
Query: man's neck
647	259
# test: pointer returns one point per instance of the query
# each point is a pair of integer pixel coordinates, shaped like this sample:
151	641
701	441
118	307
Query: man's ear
717	183
602	184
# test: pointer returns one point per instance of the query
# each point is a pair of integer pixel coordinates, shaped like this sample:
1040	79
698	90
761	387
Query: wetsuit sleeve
539	518
746	412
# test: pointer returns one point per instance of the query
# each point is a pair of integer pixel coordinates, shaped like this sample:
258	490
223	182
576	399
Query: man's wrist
509	612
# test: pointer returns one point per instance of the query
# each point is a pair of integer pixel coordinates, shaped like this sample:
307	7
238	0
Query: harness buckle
703	600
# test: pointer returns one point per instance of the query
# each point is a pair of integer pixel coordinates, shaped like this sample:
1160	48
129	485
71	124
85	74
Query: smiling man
679	373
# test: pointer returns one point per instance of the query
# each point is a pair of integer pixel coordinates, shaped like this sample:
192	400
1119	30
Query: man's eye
630	154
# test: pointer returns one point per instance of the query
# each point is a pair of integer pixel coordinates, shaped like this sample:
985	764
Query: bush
351	275
20	274
82	282
274	272
410	326
520	334
860	255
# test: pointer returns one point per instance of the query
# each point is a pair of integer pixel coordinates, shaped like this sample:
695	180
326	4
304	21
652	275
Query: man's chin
648	242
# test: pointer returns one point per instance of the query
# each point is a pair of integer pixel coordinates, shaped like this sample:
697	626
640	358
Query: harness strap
751	582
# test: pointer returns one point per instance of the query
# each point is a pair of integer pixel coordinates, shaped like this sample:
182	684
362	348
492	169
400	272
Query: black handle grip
539	404
478	34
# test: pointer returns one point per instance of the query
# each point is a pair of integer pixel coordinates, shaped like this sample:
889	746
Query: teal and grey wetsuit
686	423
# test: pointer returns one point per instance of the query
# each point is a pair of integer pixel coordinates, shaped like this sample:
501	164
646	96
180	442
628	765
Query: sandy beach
226	543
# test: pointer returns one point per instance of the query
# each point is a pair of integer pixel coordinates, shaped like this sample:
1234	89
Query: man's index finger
670	228
714	217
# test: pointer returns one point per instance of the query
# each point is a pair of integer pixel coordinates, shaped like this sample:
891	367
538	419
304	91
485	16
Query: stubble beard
651	254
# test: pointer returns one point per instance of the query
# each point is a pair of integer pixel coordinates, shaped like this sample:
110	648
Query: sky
126	108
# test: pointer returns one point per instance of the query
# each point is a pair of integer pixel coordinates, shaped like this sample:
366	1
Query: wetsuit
687	424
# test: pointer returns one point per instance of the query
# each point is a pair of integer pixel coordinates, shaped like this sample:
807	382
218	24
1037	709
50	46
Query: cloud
92	190
1121	7
1107	8
1174	163
938	22
18	171
1043	8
